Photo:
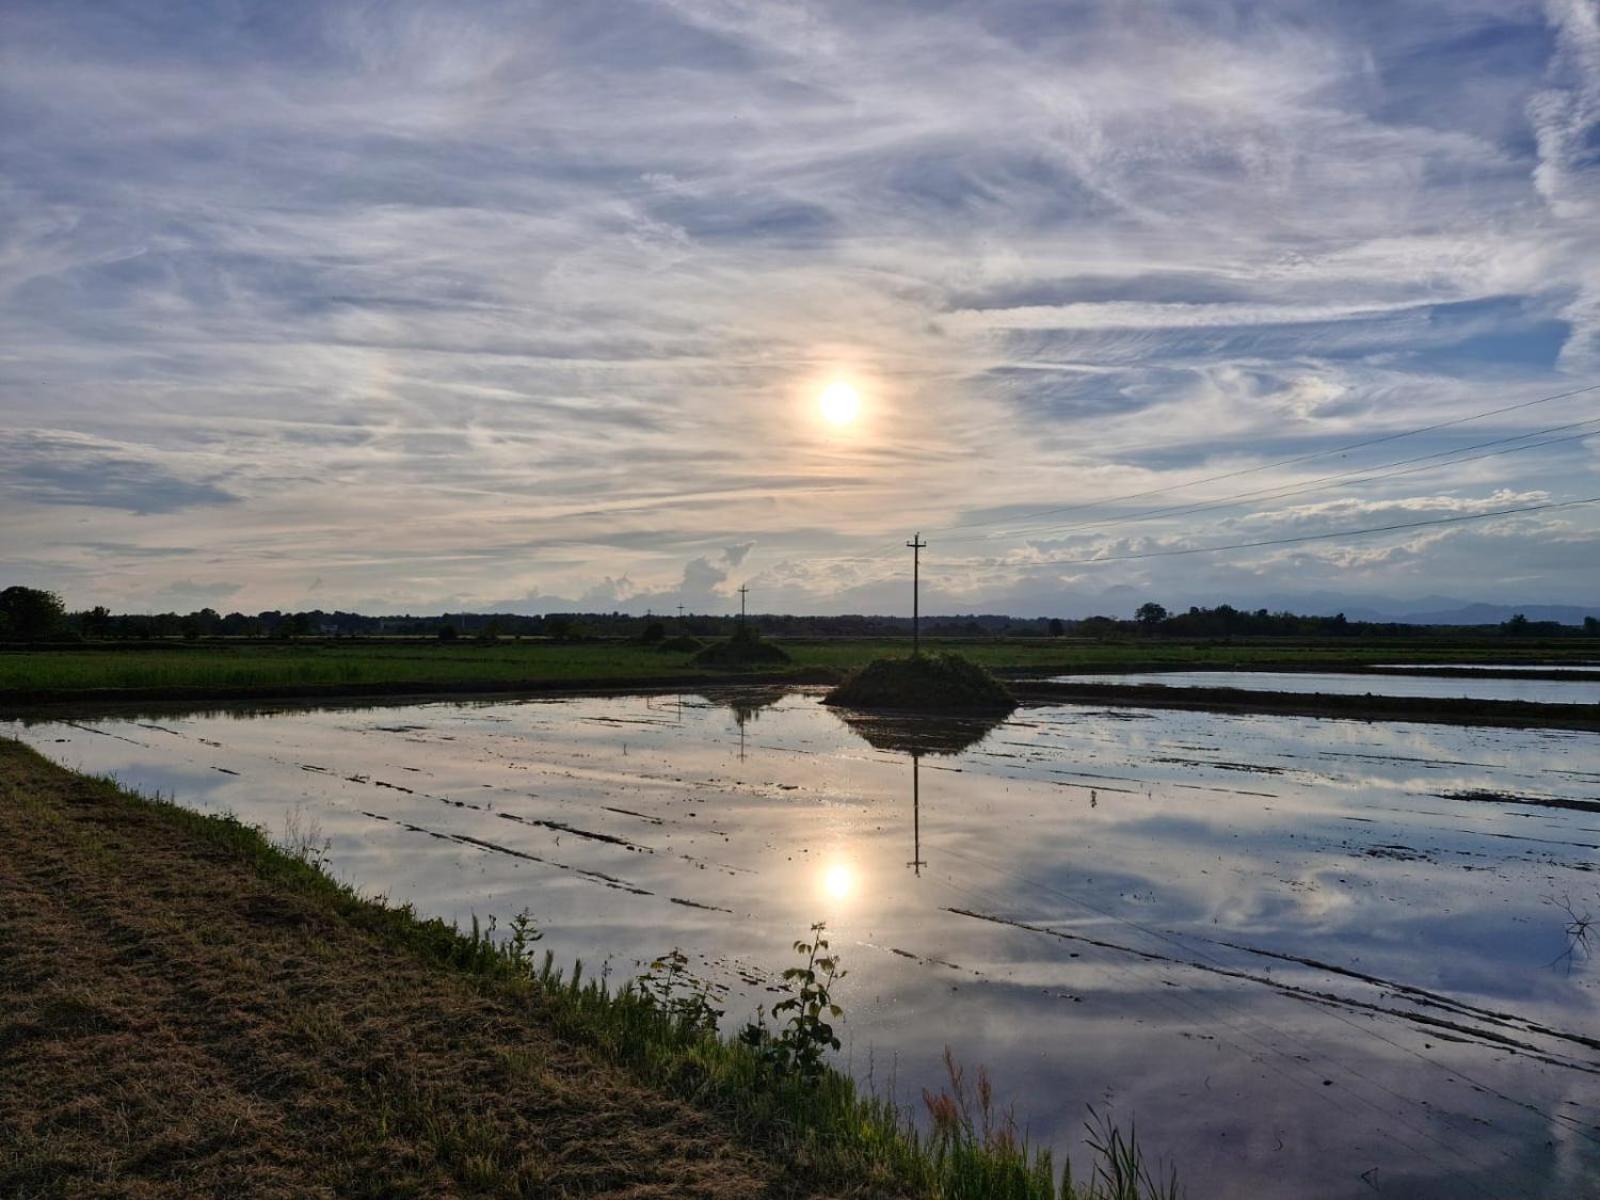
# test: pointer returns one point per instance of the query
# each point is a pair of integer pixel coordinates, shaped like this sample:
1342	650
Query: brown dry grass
171	1024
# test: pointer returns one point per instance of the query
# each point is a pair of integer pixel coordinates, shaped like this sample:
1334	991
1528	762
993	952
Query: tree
1150	614
1517	626
1591	626
29	614
1057	628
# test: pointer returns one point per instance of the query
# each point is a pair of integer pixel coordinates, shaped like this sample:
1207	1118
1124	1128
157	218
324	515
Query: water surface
1541	691
1311	957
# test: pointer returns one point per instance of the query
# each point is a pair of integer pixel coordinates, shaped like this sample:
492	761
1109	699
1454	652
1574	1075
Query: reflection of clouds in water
1187	847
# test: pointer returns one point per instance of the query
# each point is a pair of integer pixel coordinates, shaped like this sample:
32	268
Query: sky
421	307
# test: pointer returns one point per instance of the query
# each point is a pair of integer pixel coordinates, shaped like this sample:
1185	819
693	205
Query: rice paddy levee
1515	714
189	1009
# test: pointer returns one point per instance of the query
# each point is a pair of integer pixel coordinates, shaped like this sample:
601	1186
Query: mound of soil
924	683
684	643
746	648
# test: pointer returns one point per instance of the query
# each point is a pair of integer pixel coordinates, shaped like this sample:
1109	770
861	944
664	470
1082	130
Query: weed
798	1044
302	839
524	934
672	991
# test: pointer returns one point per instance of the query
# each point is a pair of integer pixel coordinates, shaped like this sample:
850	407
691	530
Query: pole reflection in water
915	736
916	863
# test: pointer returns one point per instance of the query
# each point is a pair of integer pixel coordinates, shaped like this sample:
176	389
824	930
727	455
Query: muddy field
1335	953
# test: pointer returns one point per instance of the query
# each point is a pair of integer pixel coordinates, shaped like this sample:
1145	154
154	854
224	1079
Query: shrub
796	1047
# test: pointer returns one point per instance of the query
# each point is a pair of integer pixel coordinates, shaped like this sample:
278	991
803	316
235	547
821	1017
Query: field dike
188	1009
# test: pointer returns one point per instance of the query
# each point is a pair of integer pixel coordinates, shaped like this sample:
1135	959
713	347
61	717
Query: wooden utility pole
742	591
916	545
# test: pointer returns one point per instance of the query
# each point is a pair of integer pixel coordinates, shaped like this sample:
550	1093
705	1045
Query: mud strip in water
628	812
697	904
563	827
1423	996
1478	797
600	877
1488	1037
1218	764
106	733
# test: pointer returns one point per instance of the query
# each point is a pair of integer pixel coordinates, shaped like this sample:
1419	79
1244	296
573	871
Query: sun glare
838	882
840	403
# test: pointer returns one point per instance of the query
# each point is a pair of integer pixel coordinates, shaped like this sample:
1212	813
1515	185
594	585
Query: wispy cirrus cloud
441	305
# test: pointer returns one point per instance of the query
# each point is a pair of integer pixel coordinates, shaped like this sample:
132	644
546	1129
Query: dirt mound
684	643
924	683
746	648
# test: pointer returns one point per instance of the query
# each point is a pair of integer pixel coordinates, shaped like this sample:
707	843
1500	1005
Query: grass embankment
1432	710
239	669
186	1009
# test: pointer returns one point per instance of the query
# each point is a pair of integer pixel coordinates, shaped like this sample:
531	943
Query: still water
1310	957
1540	691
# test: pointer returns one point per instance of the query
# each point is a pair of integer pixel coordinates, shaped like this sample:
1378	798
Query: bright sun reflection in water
838	882
840	403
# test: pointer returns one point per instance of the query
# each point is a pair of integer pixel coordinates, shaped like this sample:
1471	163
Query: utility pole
742	591
916	545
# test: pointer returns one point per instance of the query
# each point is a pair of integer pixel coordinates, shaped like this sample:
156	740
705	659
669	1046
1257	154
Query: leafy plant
796	1046
524	933
670	989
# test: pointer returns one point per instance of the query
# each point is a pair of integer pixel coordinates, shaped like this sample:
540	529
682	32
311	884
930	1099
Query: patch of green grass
321	666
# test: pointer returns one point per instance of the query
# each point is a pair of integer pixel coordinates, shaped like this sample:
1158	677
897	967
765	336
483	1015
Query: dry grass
172	1024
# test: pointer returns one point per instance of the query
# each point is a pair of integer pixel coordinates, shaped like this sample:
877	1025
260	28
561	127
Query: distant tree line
1225	621
32	615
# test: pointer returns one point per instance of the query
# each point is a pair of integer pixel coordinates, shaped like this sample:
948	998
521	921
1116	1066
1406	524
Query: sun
840	404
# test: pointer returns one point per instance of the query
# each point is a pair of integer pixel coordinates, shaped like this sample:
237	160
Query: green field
325	665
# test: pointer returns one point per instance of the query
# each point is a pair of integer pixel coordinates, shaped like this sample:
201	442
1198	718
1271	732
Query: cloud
443	305
60	467
189	594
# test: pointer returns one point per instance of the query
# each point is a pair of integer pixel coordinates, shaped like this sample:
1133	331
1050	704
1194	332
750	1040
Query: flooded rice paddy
1538	691
1310	957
